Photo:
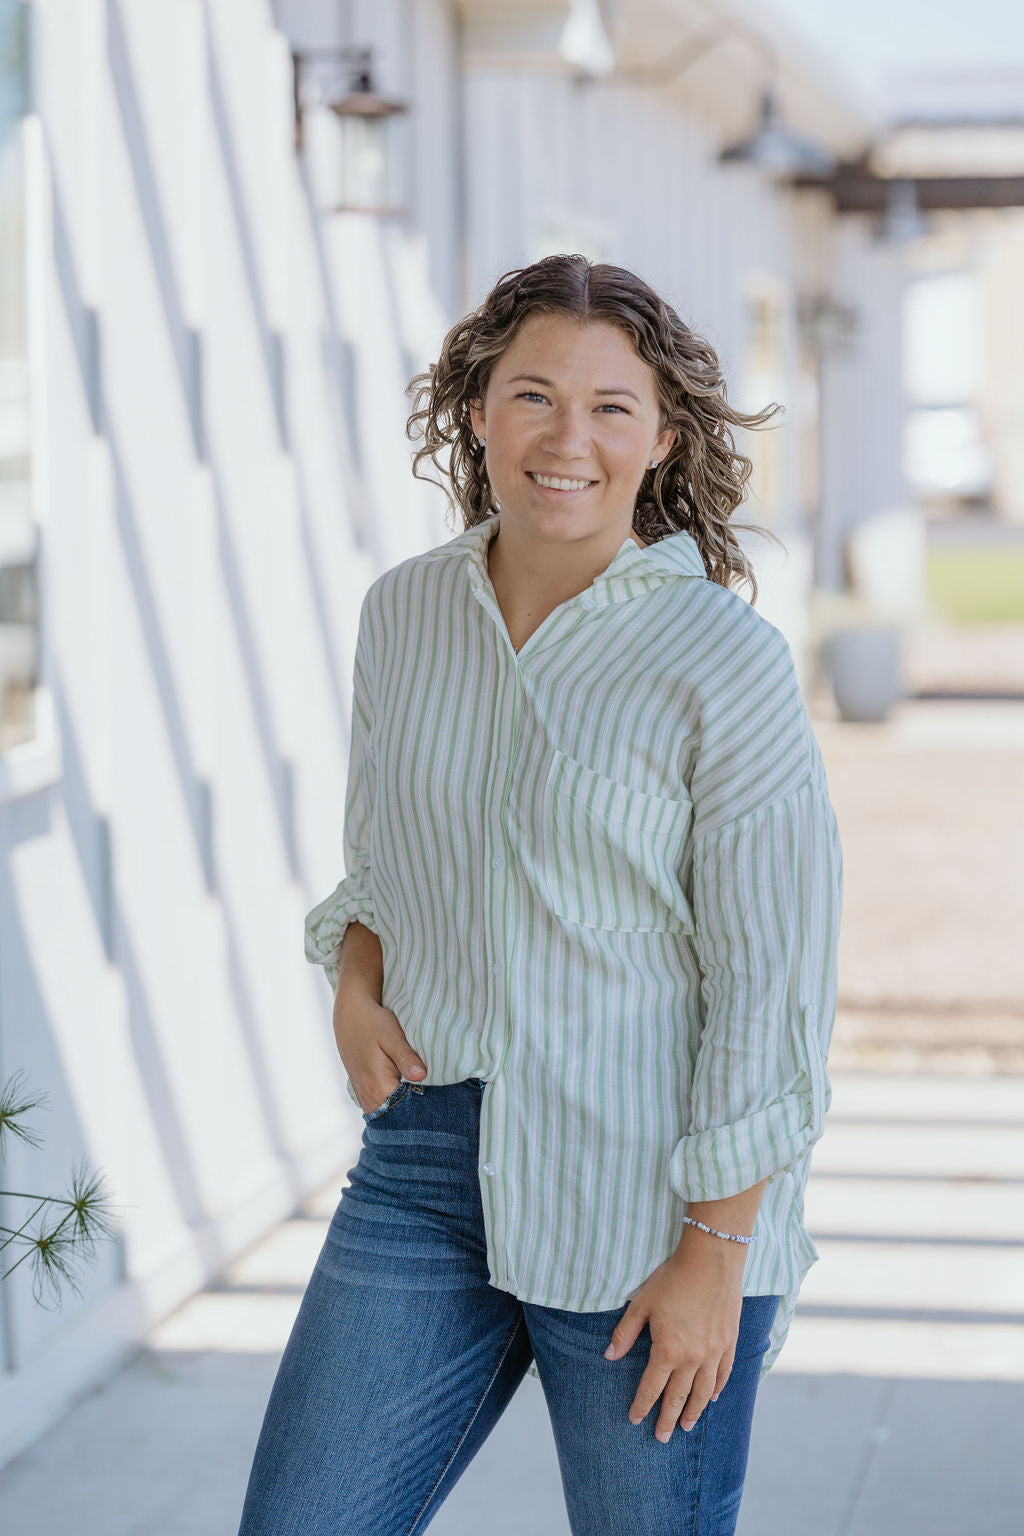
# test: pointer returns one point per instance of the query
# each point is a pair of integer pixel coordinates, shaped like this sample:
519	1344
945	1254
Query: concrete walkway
895	1407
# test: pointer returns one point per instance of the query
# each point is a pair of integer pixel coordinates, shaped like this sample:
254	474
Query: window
946	458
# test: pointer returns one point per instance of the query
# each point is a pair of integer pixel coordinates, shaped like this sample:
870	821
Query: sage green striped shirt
606	877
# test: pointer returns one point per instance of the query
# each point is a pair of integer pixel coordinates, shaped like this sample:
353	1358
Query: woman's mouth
562	483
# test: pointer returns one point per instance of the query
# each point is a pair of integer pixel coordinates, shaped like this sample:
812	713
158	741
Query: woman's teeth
560	485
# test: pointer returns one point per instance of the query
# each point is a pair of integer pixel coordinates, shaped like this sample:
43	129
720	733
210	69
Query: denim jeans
403	1357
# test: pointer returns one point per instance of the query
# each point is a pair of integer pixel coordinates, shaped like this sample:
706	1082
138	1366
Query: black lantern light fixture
368	149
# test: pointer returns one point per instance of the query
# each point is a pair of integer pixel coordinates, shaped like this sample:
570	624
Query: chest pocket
614	854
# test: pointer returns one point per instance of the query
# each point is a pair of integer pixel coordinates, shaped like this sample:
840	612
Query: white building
203	465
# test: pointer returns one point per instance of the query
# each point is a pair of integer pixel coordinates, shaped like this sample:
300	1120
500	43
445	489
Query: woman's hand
692	1304
373	1048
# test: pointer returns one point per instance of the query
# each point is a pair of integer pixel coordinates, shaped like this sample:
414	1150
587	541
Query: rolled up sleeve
351	900
767	888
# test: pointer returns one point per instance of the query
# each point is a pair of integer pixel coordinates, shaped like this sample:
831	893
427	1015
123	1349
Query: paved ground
929	808
896	1406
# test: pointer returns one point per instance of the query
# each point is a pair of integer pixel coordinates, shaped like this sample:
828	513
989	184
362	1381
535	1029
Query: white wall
223	469
863	405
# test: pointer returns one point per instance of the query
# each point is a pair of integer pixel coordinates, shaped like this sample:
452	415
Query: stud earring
654	463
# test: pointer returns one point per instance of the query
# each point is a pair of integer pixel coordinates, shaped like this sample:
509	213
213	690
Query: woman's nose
567	433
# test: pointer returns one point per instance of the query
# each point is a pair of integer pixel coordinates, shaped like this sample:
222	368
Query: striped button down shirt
606	877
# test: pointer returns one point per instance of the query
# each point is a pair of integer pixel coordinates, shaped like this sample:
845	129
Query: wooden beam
860	192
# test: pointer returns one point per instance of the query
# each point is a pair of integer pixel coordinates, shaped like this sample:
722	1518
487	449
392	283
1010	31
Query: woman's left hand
692	1304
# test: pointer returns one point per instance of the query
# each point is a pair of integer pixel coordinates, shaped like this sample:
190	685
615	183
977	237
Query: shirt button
490	1168
497	862
497	967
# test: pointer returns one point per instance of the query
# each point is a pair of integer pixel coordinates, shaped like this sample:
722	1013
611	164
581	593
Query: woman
584	954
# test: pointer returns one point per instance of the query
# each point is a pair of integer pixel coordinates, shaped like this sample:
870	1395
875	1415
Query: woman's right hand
374	1050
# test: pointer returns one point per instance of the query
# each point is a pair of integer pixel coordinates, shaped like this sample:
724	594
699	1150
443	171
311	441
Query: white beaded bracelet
733	1237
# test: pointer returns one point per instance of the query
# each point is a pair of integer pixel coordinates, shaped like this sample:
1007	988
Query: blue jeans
403	1357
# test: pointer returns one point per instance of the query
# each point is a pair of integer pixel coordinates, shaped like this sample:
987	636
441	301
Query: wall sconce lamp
369	157
825	323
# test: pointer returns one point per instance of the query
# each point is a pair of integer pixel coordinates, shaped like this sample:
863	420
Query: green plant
58	1240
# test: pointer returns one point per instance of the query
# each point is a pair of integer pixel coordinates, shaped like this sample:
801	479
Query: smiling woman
577	372
583	958
568	441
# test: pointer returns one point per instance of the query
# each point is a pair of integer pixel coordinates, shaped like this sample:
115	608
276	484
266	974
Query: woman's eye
533	394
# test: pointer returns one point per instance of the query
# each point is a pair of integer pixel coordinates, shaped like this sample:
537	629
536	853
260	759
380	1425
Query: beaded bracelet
732	1236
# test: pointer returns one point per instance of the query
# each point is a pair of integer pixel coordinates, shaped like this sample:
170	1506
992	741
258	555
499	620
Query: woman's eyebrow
532	378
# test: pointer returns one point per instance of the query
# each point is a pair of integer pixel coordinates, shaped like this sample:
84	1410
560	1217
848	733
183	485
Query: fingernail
663	1435
690	1425
609	1353
716	1397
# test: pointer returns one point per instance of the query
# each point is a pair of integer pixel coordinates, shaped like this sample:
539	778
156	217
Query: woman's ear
476	417
665	443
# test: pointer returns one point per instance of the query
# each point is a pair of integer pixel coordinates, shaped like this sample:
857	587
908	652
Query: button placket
498	922
498	1195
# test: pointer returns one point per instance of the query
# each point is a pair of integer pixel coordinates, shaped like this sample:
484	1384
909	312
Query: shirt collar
632	570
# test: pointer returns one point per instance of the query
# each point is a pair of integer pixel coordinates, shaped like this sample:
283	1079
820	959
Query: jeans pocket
394	1097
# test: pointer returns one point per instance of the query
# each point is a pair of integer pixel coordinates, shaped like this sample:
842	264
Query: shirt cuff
727	1159
325	925
724	1160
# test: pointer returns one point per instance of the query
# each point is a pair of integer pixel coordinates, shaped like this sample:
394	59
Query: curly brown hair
699	483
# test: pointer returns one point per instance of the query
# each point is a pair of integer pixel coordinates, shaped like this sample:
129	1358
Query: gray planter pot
865	667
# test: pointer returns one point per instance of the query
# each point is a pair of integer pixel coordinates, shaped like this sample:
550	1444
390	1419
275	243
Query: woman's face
571	422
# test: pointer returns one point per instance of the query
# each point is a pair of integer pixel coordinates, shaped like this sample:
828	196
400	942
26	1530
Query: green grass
977	586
